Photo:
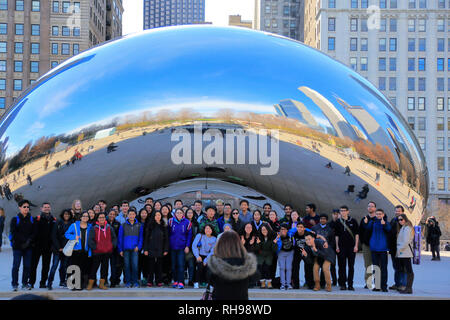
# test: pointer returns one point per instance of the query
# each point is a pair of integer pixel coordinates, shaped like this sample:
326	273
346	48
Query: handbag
207	295
68	248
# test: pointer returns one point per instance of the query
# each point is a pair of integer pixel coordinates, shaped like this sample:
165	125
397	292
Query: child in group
203	248
285	256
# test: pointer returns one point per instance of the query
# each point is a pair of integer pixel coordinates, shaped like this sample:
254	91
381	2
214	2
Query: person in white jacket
405	253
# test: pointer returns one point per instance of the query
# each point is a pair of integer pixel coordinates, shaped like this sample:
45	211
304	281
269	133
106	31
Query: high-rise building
37	35
283	17
236	21
403	48
163	13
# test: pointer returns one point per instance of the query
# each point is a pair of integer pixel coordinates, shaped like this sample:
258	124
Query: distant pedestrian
347	170
433	237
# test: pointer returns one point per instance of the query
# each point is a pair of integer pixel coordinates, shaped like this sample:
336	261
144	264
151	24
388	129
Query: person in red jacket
102	240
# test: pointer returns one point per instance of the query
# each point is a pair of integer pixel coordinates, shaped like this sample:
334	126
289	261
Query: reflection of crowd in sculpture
156	245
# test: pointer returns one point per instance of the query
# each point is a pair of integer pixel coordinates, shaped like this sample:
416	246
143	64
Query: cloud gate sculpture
240	106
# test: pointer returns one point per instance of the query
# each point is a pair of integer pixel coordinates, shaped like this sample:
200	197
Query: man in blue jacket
379	245
180	236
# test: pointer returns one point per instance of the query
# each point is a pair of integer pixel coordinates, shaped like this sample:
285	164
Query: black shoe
49	287
334	284
376	290
384	290
351	288
343	288
365	287
42	286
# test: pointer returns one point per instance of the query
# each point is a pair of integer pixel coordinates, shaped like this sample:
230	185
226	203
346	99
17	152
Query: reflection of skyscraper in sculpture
336	119
296	110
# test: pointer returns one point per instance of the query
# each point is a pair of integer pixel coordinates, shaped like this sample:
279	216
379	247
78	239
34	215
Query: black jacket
58	235
392	238
327	254
327	233
434	233
345	238
231	277
236	225
24	233
156	240
365	234
44	226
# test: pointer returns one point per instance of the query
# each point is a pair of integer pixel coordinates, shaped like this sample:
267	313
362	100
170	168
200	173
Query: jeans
116	262
63	262
130	261
296	270
380	259
178	265
17	257
405	268
285	263
191	269
201	271
155	270
46	259
346	256
398	277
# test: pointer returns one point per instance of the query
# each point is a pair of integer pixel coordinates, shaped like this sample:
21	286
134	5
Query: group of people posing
161	244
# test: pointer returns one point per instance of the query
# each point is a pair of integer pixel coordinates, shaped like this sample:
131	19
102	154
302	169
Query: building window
35	48
382	44
19	5
392	84
422	44
411	104
440	25
393	4
440	84
364	4
3	4
440	143
2	84
422	124
35	5
421	104
382	83
17	85
422	84
354	4
421	64
393	44
65	8
364	44
441	45
354	24
440	123
412	122
440	104
76	31
440	64
3	28
411	84
381	64
55	6
332	4
411	4
382	4
364	64
331	24
19	29
392	64
423	143
441	163
422	25
411	64
65	49
18	47
364	27
55	30
382	25
66	31
353	44
411	44
34	66
18	66
393	25
2	65
354	64
55	49
422	4
54	64
35	29
76	48
411	25
448	107
331	44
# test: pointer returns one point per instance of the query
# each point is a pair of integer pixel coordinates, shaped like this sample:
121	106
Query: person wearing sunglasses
236	222
22	236
405	253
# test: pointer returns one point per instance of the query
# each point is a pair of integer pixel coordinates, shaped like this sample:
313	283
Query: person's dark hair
312	206
270	233
335	211
267	204
102	201
139	215
61	215
400	207
212	229
227	205
252	233
260	214
288	205
323	215
211	207
373	203
125	202
178	200
312	234
148	198
198	201
242	201
132	209
229	245
153	220
344	207
101	214
301	224
22	202
284	225
380	210
111	210
44	203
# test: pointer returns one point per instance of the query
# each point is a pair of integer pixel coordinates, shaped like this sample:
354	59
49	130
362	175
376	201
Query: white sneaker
196	285
282	287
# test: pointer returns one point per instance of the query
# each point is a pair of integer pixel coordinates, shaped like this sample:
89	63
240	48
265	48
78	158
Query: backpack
10	236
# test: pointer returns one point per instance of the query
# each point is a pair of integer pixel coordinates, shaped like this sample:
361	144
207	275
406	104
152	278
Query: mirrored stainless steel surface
134	92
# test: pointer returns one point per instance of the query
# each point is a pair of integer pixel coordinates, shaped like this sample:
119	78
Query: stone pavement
432	281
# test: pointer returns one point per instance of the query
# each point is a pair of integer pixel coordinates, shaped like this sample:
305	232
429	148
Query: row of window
382	44
18	67
441	184
20	5
441	164
19	29
65	49
421	105
66	7
440	143
18	47
421	124
65	31
393	4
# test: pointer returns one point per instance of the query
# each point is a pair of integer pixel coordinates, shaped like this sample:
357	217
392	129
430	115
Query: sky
216	11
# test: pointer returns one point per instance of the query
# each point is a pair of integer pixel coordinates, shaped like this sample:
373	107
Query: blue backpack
10	237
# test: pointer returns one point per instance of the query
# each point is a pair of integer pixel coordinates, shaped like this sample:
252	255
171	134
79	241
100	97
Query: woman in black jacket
231	268
434	233
190	259
58	242
236	222
156	246
143	267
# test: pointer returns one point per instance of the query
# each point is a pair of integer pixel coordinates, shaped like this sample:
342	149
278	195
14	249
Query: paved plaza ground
432	281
